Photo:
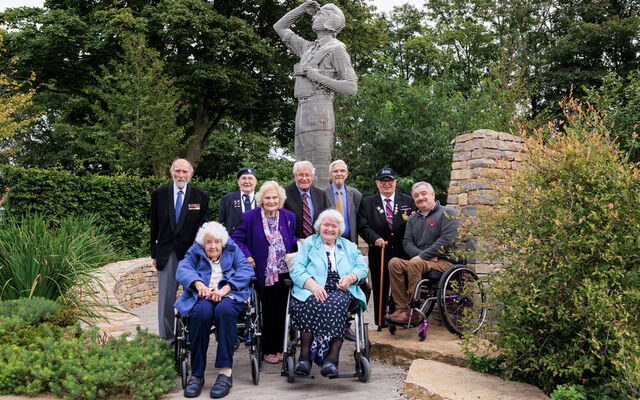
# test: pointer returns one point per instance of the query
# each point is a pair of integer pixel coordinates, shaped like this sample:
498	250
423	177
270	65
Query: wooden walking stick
381	280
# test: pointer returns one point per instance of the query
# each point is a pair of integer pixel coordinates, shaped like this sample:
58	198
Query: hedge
121	203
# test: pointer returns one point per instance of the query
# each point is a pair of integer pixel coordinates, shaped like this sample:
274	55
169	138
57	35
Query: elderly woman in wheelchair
215	276
325	275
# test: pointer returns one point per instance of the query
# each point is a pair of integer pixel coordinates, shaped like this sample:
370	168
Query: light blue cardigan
311	262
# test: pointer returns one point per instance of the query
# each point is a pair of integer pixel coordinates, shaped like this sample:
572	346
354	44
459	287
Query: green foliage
619	100
137	108
410	128
55	260
77	364
567	227
32	310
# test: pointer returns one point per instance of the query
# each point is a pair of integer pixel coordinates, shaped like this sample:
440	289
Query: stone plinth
480	160
432	380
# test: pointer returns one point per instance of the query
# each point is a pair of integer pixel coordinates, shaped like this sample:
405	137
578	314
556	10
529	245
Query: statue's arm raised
308	7
347	82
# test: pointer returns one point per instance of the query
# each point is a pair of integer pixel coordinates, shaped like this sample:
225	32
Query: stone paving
385	383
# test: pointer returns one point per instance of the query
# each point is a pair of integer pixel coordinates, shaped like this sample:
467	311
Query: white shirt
216	274
384	200
332	256
252	200
175	194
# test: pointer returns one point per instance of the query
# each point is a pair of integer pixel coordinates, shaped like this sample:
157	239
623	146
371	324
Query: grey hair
271	185
303	164
214	229
421	183
337	22
338	162
331	214
178	159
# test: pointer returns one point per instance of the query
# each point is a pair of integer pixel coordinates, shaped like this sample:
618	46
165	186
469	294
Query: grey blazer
353	204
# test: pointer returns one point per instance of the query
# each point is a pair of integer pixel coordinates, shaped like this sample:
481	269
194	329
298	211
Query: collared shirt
343	193
216	274
252	200
384	200
308	192
175	193
331	255
421	215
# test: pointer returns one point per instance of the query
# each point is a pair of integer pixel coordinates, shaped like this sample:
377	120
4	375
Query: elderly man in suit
233	204
304	200
177	212
345	199
381	223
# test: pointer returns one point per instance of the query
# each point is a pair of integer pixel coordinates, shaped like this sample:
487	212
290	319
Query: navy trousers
204	313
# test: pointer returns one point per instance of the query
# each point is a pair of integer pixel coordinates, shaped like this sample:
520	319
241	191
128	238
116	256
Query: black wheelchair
460	296
361	353
249	332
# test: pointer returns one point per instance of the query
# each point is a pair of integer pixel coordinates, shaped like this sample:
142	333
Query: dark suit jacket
293	203
230	213
169	235
354	197
250	238
372	224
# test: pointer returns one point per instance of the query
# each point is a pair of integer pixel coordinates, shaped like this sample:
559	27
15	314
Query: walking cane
381	280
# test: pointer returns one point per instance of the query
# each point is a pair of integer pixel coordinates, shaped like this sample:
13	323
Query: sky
382	5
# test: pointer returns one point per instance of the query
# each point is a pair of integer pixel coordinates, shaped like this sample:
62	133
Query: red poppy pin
431	222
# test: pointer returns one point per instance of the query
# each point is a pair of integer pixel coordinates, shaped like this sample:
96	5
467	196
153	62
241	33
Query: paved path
385	383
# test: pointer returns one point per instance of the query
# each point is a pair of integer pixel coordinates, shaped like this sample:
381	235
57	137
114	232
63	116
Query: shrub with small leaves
567	227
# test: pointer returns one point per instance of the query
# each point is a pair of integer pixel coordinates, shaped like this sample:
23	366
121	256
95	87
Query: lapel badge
380	209
405	216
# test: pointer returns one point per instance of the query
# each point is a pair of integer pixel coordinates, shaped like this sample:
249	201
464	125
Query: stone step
432	380
404	347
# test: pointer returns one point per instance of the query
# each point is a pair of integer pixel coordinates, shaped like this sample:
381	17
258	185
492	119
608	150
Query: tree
15	95
136	109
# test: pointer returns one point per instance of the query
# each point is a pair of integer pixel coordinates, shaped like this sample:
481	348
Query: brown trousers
405	275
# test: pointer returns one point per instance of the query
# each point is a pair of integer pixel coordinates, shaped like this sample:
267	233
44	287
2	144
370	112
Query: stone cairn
478	160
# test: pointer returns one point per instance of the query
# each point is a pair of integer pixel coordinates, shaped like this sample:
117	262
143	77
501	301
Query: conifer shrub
566	306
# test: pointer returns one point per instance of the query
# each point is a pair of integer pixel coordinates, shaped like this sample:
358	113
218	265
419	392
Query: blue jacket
195	266
311	262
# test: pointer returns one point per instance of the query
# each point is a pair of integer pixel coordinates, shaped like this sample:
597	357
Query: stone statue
324	68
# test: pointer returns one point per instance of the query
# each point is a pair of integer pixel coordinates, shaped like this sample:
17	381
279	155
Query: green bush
53	260
567	227
31	310
120	203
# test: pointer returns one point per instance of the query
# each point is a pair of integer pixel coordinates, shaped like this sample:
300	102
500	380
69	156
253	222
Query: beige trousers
405	275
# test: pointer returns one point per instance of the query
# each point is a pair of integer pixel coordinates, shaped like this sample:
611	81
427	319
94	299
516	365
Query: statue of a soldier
324	68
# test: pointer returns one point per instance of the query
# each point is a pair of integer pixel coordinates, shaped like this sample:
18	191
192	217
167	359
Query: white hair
271	185
338	162
415	185
214	229
184	159
303	164
331	214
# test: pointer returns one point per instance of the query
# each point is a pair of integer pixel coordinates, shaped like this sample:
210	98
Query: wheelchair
460	296
361	354
249	332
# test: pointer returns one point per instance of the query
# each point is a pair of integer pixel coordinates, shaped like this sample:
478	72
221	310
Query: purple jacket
250	238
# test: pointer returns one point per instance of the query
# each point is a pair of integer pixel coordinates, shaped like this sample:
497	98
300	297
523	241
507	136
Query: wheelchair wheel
290	367
184	373
255	369
461	300
364	369
392	329
366	346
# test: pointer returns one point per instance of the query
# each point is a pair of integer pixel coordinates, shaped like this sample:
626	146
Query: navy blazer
250	238
195	266
169	235
230	212
293	203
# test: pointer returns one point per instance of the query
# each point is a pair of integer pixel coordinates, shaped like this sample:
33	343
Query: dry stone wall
479	158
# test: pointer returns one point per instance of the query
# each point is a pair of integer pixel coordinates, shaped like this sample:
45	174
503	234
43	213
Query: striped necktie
389	213
306	216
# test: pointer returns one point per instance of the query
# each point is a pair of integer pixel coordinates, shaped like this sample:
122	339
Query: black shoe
222	386
350	335
330	370
194	386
